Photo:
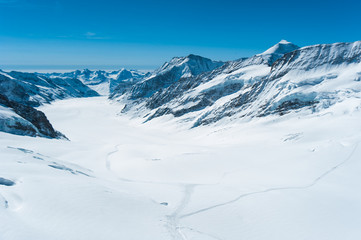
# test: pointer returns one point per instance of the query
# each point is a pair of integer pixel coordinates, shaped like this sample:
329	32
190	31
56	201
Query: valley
280	177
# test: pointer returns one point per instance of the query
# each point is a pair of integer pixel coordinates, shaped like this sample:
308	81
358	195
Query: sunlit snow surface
291	177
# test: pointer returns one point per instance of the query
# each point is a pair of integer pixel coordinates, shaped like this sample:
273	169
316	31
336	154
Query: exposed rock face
283	79
25	120
33	90
169	73
21	92
310	78
317	56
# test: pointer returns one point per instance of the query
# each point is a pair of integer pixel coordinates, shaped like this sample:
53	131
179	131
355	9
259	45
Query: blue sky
144	34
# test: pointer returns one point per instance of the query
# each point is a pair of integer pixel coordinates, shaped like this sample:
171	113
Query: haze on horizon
139	34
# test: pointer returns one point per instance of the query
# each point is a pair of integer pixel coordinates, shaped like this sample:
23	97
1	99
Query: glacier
264	147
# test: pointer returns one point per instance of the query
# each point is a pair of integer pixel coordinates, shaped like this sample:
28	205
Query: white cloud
88	34
92	35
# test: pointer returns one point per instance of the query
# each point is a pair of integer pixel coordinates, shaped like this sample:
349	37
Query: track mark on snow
293	137
313	183
202	233
107	160
5	202
173	218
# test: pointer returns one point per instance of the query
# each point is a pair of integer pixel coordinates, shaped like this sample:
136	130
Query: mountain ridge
199	91
255	86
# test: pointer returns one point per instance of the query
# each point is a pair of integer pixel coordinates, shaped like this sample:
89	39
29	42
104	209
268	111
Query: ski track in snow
202	233
313	183
173	225
107	160
173	219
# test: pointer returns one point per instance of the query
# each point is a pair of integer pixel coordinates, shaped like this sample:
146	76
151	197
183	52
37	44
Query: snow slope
279	177
277	51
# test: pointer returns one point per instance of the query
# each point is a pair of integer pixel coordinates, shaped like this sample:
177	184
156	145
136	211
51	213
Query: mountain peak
284	42
281	48
193	56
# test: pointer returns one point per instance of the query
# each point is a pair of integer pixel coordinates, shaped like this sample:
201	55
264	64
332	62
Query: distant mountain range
196	90
103	82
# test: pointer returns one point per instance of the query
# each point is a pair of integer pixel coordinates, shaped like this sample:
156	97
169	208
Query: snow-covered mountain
282	79
177	68
21	119
33	90
20	92
278	50
103	82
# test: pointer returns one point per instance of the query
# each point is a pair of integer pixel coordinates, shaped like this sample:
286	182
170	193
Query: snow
100	80
6	75
251	174
12	122
284	42
291	177
6	113
246	75
280	48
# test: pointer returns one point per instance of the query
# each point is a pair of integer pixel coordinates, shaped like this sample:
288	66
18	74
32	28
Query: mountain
278	50
20	119
310	79
281	80
169	73
103	82
33	90
195	92
21	92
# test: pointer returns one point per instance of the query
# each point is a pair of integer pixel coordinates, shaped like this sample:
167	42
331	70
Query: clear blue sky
145	33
